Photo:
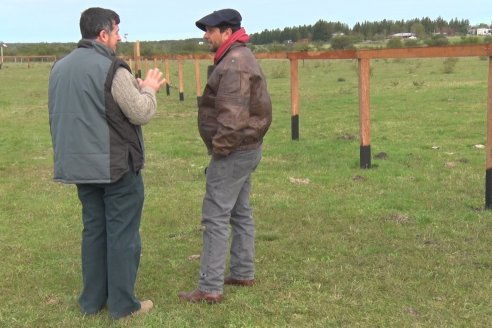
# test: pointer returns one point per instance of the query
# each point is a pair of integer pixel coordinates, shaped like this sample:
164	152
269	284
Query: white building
404	35
484	31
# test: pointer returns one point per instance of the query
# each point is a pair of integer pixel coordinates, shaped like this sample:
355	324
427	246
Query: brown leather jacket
235	110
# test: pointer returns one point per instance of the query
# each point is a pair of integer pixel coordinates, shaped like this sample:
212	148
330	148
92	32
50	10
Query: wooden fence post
488	172
364	112
294	96
136	55
197	78
180	76
168	81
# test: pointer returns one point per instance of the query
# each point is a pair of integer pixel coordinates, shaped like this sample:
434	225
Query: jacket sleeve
138	105
232	105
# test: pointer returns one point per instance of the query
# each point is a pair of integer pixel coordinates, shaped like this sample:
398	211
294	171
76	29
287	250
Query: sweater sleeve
138	105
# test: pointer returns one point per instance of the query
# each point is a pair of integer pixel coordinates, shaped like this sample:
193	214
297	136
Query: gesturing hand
153	79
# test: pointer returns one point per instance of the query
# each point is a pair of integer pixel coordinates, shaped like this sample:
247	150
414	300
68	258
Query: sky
26	21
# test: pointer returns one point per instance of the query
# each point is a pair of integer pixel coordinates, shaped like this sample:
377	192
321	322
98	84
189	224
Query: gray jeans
227	201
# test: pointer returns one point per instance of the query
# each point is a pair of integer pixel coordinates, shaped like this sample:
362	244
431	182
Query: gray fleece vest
93	142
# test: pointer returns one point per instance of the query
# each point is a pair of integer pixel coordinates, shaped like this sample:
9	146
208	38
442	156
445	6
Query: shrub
395	43
470	40
411	43
437	40
344	42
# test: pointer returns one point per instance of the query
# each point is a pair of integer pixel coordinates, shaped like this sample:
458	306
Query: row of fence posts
24	59
363	57
180	60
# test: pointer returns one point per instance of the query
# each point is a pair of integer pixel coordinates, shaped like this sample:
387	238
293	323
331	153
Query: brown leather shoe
199	296
239	282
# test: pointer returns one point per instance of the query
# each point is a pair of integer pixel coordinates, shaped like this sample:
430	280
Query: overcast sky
57	20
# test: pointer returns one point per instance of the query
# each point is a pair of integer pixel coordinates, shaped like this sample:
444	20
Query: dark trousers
111	244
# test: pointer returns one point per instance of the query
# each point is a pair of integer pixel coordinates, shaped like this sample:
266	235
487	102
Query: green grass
406	243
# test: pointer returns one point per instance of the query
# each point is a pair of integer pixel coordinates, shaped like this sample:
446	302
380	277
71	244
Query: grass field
406	243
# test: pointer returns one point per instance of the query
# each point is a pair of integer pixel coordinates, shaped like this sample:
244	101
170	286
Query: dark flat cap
223	17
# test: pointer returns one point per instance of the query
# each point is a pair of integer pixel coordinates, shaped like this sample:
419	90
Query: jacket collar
98	46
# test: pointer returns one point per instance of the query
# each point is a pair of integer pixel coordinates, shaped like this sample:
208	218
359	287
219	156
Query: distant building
404	35
480	31
484	31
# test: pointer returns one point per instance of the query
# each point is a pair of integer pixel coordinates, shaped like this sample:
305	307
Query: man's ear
227	33
103	36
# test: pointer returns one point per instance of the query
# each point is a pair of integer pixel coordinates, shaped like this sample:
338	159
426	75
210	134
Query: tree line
324	31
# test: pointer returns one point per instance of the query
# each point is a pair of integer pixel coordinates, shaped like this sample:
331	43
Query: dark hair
94	20
225	27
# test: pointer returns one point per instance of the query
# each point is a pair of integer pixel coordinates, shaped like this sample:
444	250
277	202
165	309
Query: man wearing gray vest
96	108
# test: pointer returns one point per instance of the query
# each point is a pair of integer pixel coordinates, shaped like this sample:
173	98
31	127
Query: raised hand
153	79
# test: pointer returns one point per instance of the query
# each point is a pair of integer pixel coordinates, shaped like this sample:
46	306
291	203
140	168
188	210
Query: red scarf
238	36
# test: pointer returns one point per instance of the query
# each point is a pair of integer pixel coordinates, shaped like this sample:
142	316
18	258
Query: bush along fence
363	57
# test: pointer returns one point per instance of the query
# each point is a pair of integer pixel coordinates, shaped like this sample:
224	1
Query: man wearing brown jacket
234	115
